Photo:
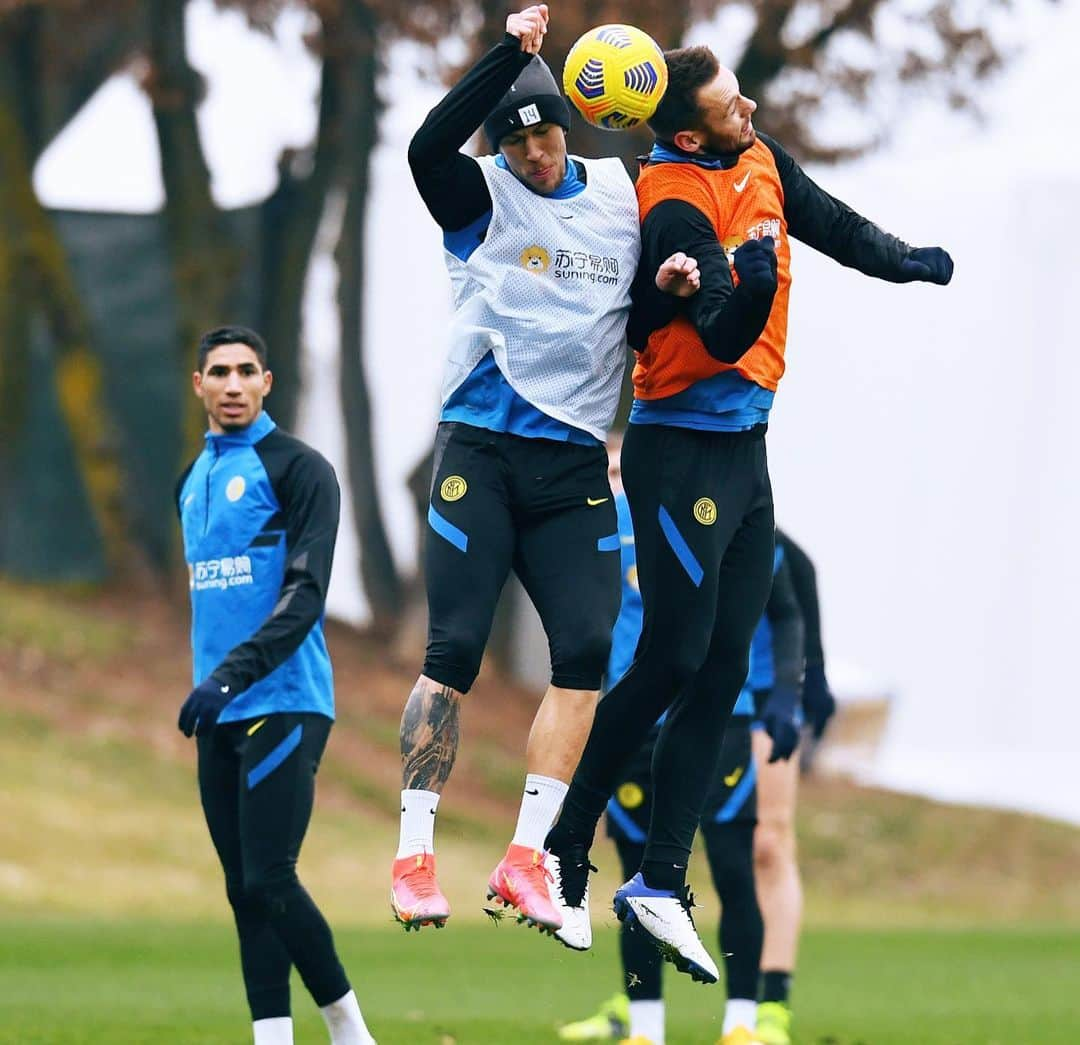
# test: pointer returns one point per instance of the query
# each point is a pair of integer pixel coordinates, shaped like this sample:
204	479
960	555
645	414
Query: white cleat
570	895
665	915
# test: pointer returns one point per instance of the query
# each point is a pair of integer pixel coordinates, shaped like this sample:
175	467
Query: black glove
818	701
755	264
782	719
200	712
927	265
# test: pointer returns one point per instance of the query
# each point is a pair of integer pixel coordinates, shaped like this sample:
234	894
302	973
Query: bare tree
797	60
44	80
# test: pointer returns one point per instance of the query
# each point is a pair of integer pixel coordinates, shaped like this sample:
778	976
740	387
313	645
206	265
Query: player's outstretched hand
529	26
927	265
819	704
679	275
200	711
782	721
755	264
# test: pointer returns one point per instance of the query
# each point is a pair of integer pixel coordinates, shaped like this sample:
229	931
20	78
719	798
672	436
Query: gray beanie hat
533	98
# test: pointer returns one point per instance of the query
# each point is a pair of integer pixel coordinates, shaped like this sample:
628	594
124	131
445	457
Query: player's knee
578	661
271	886
454	656
669	660
241	901
681	664
774	845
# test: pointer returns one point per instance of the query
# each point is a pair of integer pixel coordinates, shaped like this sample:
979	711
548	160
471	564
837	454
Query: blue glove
755	264
200	712
782	719
818	701
927	265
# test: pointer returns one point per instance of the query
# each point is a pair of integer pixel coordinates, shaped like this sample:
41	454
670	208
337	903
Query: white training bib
548	294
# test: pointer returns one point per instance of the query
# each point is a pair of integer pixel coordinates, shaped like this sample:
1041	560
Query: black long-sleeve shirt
804	581
784	614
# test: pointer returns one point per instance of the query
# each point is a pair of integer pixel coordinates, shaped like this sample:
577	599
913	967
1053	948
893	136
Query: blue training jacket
259	512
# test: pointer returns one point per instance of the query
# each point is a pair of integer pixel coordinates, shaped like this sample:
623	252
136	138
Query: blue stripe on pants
681	549
261	771
447	530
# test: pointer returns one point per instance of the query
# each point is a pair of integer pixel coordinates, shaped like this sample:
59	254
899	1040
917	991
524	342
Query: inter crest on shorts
705	511
453	488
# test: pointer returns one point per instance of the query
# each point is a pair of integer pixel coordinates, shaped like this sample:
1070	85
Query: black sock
581	811
662	874
775	985
558	840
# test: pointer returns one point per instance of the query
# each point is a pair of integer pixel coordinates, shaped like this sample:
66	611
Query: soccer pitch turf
63	983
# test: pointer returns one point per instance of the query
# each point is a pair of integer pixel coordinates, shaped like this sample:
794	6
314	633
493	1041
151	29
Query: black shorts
732	797
542	508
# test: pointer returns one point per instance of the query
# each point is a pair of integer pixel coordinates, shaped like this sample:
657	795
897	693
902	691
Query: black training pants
702	510
257	784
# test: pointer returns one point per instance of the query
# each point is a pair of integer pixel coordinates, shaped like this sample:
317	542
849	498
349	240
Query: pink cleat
415	896
521	881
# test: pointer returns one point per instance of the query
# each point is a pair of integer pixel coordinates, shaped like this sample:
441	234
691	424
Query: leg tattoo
429	736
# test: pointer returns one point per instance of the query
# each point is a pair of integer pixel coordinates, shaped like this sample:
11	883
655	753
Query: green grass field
77	983
113	920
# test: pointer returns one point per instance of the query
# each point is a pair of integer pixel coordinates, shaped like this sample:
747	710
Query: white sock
417	823
345	1023
275	1031
647	1019
739	1012
540	804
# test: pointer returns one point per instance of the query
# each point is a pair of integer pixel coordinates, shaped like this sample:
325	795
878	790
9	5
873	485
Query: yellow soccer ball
615	75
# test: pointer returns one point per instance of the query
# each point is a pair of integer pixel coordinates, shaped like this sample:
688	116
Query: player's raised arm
450	182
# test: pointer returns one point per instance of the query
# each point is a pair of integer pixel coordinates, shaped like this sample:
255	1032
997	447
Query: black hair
232	335
689	69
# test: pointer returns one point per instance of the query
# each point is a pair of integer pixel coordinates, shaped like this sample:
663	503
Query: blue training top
259	512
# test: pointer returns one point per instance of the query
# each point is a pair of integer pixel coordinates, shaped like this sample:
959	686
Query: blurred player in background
542	249
776	869
259	513
695	468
